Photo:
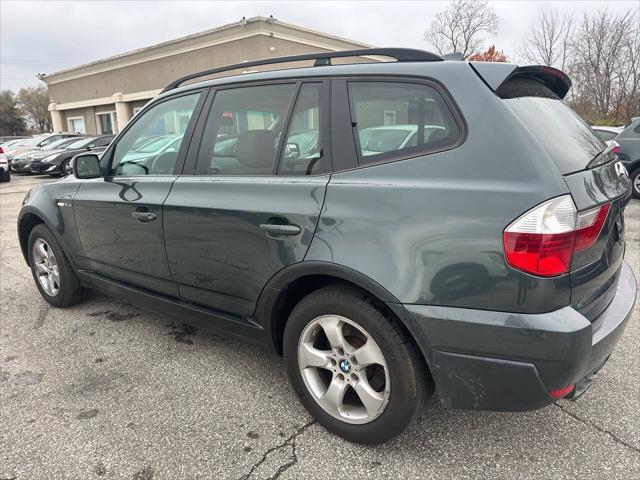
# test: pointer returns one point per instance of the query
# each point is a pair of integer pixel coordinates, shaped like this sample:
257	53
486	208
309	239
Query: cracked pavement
107	390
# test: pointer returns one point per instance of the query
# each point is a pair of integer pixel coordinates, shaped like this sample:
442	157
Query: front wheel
353	367
65	168
635	182
51	270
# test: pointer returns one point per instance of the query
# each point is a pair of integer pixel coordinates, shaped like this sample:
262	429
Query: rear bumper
510	361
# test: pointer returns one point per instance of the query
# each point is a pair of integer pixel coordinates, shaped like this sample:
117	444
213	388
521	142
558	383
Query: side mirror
86	165
292	150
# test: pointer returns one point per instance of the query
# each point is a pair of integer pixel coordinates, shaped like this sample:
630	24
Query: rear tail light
543	240
616	149
1	150
562	392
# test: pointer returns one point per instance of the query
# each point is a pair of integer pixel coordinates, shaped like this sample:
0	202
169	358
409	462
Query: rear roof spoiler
496	74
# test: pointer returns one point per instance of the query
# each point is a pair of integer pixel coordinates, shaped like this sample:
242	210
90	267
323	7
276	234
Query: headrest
256	148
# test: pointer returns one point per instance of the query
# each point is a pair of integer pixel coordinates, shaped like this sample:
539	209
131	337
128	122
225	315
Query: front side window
393	118
151	145
243	130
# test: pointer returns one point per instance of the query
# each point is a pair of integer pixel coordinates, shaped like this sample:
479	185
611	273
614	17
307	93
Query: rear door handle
144	217
274	230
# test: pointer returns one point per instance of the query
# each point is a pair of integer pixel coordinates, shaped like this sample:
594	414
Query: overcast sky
49	36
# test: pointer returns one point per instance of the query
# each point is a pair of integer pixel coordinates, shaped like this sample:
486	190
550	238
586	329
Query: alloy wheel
344	369
46	267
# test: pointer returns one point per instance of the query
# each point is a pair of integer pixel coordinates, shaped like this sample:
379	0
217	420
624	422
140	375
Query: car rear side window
243	130
398	119
302	150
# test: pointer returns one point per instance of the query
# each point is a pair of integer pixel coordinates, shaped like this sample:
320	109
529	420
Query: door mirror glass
86	166
292	150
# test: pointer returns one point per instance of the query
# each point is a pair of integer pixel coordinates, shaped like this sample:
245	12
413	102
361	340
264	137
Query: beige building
102	96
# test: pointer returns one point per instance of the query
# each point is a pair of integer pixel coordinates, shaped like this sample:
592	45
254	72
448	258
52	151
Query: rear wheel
5	176
353	367
51	270
635	182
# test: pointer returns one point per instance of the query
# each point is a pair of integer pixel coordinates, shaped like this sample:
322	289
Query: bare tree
604	47
34	101
627	97
548	41
461	27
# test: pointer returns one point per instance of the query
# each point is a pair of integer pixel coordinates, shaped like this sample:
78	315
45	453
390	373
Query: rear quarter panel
429	229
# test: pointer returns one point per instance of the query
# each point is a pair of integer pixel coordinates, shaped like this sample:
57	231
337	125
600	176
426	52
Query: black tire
410	381
63	168
635	186
5	176
70	291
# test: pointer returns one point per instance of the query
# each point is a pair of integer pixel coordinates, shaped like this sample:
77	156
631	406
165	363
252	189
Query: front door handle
274	230
144	216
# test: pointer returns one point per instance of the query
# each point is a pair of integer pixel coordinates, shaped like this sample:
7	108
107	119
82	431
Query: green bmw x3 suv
393	229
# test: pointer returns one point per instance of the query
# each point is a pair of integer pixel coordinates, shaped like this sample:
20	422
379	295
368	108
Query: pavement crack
289	442
42	315
598	428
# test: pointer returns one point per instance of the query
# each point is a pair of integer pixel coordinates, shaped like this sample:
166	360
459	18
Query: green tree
34	102
11	121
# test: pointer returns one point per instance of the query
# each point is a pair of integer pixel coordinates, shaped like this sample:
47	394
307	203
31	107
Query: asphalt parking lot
106	390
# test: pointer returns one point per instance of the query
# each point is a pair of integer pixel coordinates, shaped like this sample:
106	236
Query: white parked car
606	134
5	176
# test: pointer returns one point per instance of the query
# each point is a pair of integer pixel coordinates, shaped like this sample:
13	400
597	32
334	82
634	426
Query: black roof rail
321	59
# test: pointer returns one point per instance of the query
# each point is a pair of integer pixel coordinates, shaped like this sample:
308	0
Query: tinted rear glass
568	140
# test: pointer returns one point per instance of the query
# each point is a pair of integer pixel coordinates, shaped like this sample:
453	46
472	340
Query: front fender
51	204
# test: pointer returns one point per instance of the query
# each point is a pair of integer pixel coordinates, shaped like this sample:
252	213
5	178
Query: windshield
568	140
57	144
32	142
81	143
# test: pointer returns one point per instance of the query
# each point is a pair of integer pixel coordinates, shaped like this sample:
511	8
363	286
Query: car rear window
568	139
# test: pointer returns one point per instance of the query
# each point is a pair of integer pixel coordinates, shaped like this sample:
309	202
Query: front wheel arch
26	223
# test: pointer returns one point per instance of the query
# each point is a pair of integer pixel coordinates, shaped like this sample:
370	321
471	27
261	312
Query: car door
119	216
251	194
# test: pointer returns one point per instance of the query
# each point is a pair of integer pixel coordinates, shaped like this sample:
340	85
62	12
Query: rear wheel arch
293	283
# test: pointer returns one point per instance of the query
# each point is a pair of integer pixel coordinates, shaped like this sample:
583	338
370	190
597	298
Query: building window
107	124
389	117
76	125
136	110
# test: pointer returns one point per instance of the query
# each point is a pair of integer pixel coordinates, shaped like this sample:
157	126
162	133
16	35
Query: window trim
107	158
191	159
393	156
